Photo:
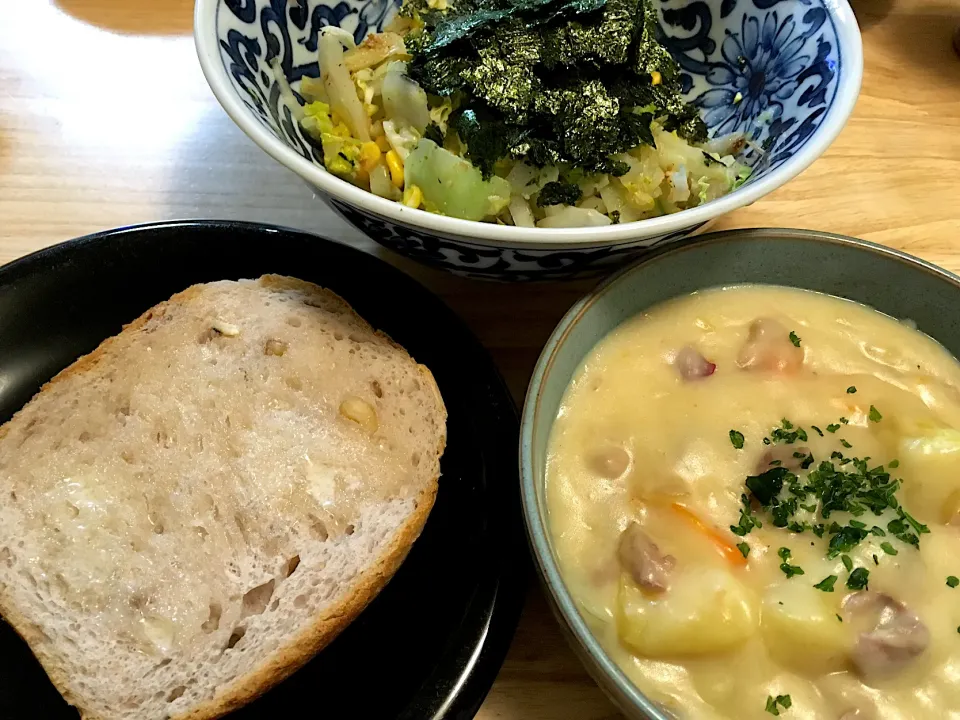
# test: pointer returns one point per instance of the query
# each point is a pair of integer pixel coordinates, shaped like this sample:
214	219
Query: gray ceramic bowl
892	282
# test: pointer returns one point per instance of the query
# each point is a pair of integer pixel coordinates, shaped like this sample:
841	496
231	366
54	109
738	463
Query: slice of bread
192	511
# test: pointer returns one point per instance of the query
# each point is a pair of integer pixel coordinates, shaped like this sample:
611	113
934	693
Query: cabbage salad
533	113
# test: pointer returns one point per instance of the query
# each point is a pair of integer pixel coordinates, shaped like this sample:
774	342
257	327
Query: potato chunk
705	610
801	628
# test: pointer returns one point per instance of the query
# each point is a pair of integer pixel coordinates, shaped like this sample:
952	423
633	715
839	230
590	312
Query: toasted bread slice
192	511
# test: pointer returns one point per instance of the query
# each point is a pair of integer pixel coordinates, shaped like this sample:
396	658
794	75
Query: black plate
432	642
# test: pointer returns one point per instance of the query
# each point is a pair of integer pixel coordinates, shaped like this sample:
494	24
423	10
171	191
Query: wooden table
105	120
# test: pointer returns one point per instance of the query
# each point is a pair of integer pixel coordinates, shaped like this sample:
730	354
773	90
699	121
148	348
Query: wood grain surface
105	120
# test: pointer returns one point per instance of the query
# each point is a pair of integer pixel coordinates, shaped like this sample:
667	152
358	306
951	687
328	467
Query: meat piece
692	365
609	462
641	557
786	455
895	638
769	348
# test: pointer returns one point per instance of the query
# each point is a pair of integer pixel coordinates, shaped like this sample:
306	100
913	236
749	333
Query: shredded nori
487	138
559	193
557	82
434	133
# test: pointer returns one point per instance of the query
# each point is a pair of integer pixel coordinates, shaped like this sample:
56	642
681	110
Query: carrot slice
724	546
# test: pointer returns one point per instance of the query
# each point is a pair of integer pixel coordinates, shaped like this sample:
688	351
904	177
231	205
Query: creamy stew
754	498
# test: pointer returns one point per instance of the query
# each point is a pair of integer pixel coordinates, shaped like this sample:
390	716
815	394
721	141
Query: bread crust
288	658
291	657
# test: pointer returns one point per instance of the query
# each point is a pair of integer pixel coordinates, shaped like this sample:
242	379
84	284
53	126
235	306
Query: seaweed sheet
568	82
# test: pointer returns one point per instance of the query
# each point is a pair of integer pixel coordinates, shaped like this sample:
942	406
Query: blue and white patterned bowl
785	71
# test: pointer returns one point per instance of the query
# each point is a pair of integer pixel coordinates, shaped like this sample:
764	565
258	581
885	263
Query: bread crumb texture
195	508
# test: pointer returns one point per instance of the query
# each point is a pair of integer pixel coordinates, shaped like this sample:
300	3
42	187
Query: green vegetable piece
889	549
851	390
742	177
875	415
453	186
794	339
953	581
743	548
736	438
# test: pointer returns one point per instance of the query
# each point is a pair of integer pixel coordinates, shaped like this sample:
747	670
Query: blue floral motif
771	74
483	262
760	70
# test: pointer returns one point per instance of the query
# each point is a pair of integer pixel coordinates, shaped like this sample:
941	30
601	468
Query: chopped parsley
953	581
858	579
839	618
794	339
736	438
827	584
819	431
875	415
842	484
893	464
791	570
743	548
844	540
766	486
787	433
851	390
783	701
747	520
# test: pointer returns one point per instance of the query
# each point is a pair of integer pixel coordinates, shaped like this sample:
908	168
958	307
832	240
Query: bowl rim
849	43
537	534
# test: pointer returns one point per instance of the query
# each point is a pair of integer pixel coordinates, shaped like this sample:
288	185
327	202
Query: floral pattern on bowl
770	68
773	75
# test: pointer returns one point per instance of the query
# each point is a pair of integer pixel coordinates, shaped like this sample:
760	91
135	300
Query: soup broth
754	498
